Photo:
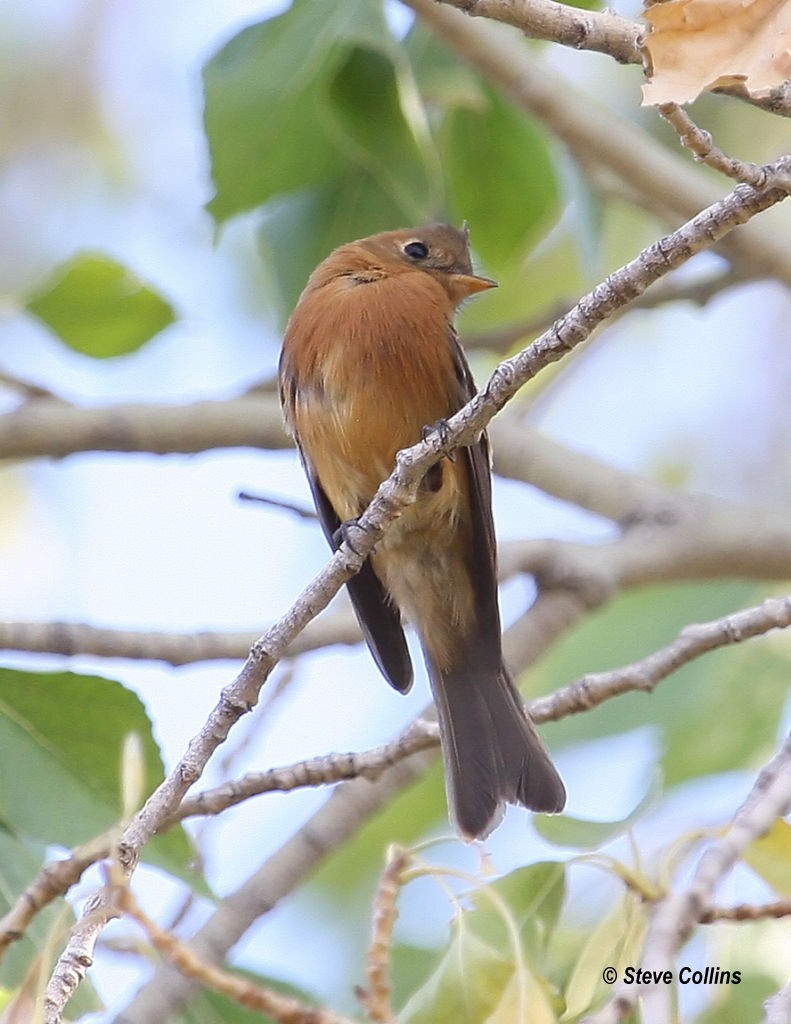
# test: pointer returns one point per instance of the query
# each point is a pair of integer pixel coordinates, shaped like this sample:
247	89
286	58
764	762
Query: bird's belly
421	561
352	438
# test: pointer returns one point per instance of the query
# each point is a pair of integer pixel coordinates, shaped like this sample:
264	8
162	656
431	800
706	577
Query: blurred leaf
466	986
738	1004
263	114
366	107
410	966
100	308
444	82
20	862
534	287
770	857
482	976
583	5
61	737
270	90
617	941
379	181
500	177
528	999
533	897
581	834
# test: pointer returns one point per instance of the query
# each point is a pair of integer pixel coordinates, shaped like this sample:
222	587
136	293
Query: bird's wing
483	566
379	619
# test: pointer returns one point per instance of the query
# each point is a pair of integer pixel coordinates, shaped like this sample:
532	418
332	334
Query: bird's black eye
416	250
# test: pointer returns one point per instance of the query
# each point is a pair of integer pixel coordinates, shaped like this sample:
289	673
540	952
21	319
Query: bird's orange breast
367	363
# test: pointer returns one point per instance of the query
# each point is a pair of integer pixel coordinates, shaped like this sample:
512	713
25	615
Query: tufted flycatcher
370	358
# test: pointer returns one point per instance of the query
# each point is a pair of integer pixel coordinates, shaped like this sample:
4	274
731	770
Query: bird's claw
344	533
444	431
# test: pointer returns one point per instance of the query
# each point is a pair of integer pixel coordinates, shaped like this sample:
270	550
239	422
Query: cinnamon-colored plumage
370	358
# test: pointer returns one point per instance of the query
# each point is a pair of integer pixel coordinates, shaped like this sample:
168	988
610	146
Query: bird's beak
463	285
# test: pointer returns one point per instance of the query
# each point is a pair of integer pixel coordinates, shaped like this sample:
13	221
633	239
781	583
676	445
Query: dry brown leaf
696	45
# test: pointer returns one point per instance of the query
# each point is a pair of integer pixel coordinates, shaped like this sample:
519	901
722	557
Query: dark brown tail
492	752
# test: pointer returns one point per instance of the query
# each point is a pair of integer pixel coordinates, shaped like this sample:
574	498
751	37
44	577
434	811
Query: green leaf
380	179
444	81
20	862
500	177
365	105
532	896
61	737
465	988
738	1004
770	857
487	969
263	114
617	941
582	834
100	308
527	998
268	113
584	5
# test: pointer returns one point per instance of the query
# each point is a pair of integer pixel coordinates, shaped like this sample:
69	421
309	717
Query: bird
370	360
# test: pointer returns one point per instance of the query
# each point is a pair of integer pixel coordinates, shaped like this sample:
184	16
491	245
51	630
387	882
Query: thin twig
315	771
700	143
76	638
301	511
644	675
748	912
376	999
26	388
282	1009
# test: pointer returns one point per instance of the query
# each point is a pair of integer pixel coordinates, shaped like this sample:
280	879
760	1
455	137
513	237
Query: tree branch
701	144
55	429
644	675
75	638
601	32
747	912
